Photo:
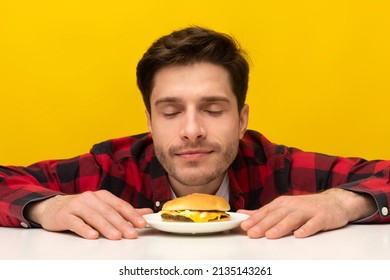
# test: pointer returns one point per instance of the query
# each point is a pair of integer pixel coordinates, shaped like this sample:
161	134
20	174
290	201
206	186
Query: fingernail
141	221
254	230
93	234
246	224
272	230
131	233
115	234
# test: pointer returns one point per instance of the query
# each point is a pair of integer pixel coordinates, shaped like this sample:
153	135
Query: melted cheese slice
198	216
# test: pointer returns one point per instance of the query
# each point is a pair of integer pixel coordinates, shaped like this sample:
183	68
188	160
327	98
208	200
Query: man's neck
182	190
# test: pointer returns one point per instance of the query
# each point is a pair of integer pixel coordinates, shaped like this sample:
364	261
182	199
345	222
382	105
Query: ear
244	114
149	120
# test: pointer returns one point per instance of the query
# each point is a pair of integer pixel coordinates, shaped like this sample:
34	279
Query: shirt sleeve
353	174
22	185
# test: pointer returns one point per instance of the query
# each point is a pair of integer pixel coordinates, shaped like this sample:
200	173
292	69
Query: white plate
154	220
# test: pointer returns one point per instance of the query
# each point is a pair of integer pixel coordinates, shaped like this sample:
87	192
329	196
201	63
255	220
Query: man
194	82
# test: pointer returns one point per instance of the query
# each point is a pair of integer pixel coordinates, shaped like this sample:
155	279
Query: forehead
197	81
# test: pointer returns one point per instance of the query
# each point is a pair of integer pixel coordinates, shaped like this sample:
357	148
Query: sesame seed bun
197	201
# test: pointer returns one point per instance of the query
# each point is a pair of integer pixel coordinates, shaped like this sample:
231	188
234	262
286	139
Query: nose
192	127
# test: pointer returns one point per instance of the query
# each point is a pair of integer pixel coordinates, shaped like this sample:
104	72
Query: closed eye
213	112
171	114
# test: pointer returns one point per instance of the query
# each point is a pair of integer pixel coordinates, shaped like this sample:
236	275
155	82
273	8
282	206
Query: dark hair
191	45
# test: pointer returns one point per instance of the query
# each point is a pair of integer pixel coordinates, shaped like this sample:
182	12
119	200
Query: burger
196	207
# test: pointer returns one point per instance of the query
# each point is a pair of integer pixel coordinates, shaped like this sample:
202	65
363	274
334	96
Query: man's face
195	123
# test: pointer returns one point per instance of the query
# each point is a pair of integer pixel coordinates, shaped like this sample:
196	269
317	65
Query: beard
197	173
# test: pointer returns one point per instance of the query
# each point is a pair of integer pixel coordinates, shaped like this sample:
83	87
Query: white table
354	242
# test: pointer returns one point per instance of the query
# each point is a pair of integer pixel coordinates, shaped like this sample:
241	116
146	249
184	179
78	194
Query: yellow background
319	79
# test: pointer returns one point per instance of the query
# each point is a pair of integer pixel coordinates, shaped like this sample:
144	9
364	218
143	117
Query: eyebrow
207	99
167	100
210	99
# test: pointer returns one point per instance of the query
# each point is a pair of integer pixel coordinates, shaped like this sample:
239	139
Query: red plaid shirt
128	168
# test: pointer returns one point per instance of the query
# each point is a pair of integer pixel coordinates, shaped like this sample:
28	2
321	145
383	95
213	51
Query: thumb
143	211
244	211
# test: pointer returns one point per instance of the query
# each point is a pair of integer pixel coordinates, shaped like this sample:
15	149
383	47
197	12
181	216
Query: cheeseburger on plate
196	207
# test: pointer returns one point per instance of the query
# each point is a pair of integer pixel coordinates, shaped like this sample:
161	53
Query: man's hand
305	215
89	214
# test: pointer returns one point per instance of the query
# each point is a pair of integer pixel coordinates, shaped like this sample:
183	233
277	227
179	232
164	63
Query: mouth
193	154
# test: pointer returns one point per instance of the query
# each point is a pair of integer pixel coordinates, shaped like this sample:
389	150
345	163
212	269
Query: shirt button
23	224
157	203
385	211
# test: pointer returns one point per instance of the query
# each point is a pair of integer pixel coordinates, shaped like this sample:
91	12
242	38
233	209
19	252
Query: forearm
20	186
374	191
311	172
358	205
14	199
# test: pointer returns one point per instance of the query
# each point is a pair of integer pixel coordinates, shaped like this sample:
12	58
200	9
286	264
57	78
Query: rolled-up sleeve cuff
26	223
381	215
